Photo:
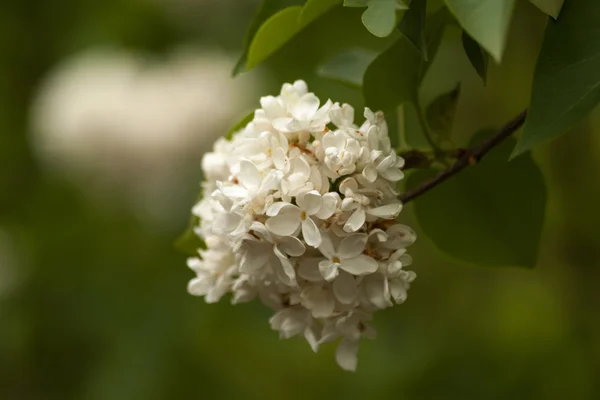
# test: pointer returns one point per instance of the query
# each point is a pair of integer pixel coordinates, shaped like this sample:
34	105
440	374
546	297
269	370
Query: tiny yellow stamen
336	260
303	215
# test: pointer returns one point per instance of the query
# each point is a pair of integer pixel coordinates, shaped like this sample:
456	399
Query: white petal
398	290
329	270
370	173
361	265
285	271
249	175
309	269
292	246
392	174
389	211
286	222
326	247
346	354
348	184
305	107
344	288
328	206
310	202
318	300
281	124
274	208
311	233
254	261
377	291
356	221
353	245
271	107
279	158
312	337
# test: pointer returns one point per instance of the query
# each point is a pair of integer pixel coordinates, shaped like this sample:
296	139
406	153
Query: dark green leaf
487	21
348	67
313	9
440	115
239	125
477	56
550	7
266	9
489	214
412	26
395	75
282	26
566	83
273	34
411	131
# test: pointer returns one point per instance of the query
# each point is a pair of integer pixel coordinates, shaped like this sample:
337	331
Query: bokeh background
106	108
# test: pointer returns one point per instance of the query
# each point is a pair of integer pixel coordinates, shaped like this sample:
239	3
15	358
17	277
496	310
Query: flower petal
305	107
326	247
310	202
328	269
344	288
328	206
292	246
249	176
308	269
311	233
353	245
356	221
346	354
389	211
286	222
361	265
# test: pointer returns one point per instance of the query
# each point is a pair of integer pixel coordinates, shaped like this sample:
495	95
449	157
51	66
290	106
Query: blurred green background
95	185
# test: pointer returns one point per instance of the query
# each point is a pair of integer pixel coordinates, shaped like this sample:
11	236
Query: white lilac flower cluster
303	217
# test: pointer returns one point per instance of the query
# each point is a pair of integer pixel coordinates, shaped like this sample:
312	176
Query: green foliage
412	26
395	75
550	7
380	16
487	21
440	115
566	84
281	27
266	9
347	67
490	214
477	56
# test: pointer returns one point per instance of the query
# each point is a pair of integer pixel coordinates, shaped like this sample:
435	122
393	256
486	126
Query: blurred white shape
121	124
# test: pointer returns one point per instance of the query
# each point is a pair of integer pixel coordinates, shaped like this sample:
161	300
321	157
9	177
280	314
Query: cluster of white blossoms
303	217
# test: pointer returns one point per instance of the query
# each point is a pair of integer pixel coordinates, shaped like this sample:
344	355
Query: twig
469	157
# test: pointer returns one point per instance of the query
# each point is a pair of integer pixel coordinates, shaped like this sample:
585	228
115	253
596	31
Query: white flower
348	256
301	217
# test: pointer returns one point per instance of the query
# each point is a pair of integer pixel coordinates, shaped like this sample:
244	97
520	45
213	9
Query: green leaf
279	28
412	26
395	75
347	67
487	21
266	9
411	131
239	125
313	9
380	16
566	83
440	115
489	214
550	7
273	34
477	56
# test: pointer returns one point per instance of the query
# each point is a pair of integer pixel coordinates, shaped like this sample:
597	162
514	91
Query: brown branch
469	157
